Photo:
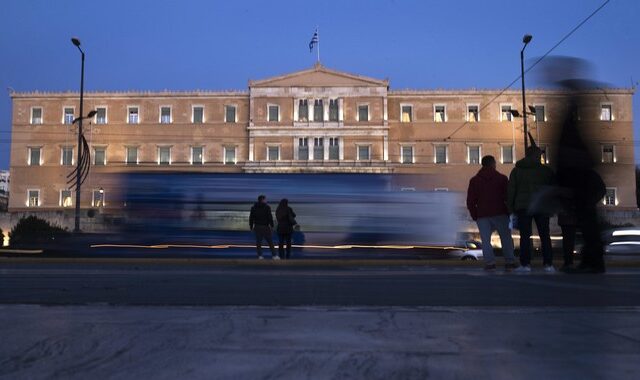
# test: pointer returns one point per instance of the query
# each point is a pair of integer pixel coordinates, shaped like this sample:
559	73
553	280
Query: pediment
319	76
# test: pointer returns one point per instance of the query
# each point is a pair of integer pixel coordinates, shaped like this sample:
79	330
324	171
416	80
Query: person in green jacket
528	178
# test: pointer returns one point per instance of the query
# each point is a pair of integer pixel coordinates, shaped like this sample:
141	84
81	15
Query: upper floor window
505	112
66	156
134	115
473	113
608	153
539	116
230	114
363	112
67	116
197	115
406	113
197	155
318	110
132	155
35	156
364	152
273	153
303	148
605	112
164	155
439	113
273	112
333	110
441	154
100	156
36	115
506	152
101	115
334	148
303	110
473	154
165	115
33	197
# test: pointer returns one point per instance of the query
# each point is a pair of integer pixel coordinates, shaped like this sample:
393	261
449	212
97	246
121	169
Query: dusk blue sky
215	45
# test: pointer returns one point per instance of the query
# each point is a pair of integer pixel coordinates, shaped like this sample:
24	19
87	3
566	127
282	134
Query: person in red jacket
487	204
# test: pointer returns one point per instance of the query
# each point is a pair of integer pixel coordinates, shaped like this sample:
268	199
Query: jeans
542	224
263	233
284	238
486	226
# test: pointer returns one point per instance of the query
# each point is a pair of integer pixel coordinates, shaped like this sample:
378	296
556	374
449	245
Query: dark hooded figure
527	180
261	223
286	219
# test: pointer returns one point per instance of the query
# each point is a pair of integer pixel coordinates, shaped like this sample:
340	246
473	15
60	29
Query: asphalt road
273	285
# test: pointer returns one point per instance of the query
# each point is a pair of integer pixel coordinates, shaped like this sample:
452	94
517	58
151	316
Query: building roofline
142	94
489	91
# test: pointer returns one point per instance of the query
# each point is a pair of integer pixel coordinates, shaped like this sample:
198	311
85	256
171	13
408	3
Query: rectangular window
197	155
473	154
610	198
608	154
273	153
67	118
33	198
505	113
318	148
539	116
605	112
439	113
440	154
318	110
36	115
407	154
303	148
230	114
334	148
99	156
65	198
230	155
473	113
197	116
364	152
333	110
66	154
134	115
35	156
274	113
165	115
303	110
132	155
164	155
363	112
101	115
98	198
507	154
406	113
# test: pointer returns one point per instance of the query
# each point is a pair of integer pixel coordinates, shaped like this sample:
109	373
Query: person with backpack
286	219
261	223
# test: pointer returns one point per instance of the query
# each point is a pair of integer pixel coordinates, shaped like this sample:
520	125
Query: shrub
33	230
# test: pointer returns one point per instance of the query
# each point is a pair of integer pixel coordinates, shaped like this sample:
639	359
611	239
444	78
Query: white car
469	250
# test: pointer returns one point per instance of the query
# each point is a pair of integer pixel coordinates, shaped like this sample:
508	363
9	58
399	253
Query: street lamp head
527	38
515	113
101	191
91	114
75	41
532	109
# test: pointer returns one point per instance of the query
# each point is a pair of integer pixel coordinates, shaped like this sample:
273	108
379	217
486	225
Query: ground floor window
610	197
440	154
507	154
273	153
364	152
407	154
65	198
230	155
33	198
473	154
98	198
334	148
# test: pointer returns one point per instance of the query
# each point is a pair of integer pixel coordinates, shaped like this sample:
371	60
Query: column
385	148
325	108
310	147
250	148
296	103
341	110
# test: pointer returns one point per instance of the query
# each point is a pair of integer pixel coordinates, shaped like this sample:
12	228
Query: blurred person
286	219
487	204
527	179
261	223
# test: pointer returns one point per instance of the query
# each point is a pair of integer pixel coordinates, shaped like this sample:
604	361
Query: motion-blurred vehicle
621	243
469	250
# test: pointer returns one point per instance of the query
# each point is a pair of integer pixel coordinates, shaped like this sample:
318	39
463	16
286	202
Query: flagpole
318	33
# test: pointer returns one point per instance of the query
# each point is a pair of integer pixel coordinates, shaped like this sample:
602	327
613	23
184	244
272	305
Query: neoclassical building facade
311	121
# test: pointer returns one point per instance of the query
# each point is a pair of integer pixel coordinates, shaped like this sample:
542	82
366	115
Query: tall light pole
76	228
526	39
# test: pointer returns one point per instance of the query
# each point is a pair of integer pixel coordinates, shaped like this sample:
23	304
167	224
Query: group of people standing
261	223
533	192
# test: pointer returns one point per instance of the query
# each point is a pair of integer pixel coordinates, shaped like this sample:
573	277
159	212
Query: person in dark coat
261	223
286	219
487	204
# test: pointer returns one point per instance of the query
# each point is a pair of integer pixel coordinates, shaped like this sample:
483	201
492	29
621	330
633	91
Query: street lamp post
526	39
76	228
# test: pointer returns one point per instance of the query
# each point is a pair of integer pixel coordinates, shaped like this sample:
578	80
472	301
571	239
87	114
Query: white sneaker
549	269
523	269
260	258
276	257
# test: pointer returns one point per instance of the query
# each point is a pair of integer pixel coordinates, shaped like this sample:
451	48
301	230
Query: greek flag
314	41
